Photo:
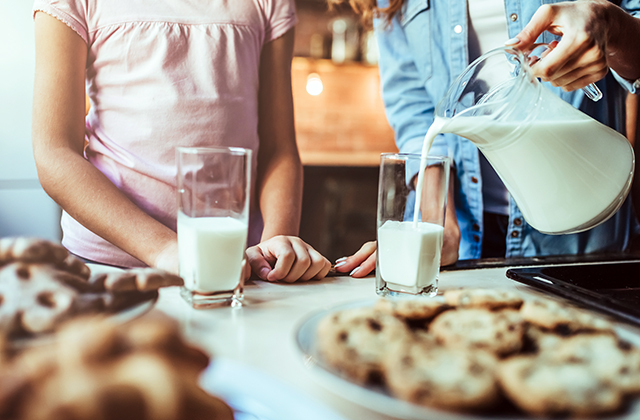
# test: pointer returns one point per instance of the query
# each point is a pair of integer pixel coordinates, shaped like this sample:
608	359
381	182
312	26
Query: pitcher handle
591	91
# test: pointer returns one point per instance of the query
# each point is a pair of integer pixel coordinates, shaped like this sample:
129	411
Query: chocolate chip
407	361
375	377
476	369
563	330
422	394
374	325
624	345
46	299
23	272
342	337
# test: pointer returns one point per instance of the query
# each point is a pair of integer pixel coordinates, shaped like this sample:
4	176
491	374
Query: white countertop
260	336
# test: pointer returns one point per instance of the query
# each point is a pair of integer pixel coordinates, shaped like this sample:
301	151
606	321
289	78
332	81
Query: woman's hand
287	259
596	36
360	264
451	241
363	262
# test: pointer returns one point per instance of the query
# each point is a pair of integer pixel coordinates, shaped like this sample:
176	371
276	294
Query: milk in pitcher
557	186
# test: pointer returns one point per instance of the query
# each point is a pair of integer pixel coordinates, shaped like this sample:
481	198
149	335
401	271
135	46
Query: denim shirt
423	50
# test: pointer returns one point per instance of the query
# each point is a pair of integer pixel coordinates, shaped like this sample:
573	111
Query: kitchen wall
25	209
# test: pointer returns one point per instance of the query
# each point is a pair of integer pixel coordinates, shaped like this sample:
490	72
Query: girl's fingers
296	264
319	267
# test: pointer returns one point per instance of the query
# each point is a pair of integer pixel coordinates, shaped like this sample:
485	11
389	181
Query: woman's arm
58	141
280	256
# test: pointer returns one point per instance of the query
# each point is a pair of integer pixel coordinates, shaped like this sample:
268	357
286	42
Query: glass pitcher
566	171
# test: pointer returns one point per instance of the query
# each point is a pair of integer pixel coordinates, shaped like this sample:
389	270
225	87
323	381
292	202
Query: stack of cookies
485	350
42	285
96	369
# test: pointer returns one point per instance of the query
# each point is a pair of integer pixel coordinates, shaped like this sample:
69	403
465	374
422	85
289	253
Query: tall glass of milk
412	199
213	219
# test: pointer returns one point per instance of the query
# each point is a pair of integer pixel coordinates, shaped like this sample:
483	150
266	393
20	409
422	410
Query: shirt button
517	221
515	234
476	238
474	179
475	227
457	29
513	17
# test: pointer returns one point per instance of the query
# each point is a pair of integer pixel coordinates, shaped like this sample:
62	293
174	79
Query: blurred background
340	123
25	209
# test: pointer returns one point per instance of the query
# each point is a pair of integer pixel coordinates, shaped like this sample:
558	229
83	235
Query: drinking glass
410	236
213	219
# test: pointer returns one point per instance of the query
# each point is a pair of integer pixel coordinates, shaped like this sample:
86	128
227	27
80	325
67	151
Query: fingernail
355	270
512	41
339	260
264	272
339	264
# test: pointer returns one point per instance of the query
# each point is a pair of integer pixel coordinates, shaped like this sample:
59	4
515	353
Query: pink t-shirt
161	74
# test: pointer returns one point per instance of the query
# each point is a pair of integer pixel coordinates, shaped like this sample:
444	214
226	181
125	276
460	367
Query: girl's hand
287	259
360	264
167	258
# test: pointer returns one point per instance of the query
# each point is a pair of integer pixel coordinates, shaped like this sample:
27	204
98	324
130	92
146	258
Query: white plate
254	395
377	398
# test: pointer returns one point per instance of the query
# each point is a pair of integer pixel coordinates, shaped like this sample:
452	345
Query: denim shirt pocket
416	23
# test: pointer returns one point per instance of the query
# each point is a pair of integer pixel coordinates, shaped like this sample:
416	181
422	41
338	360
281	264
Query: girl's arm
281	256
58	141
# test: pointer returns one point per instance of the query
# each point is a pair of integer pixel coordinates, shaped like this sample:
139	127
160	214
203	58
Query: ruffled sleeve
281	16
70	12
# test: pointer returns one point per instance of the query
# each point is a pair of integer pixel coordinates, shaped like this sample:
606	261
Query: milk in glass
409	251
409	254
211	251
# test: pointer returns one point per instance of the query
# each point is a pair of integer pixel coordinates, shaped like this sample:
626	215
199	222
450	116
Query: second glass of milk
412	199
213	218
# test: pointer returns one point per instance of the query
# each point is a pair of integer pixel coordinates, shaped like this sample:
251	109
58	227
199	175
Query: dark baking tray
612	287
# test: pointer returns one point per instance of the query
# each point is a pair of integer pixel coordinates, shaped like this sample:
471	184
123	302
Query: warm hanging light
314	84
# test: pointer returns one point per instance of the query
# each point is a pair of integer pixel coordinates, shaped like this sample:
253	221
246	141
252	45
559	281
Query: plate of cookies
475	354
42	286
101	369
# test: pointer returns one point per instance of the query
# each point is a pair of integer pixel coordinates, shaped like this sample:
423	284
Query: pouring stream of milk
432	133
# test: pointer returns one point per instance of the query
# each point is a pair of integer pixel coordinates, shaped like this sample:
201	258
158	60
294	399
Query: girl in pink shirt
162	74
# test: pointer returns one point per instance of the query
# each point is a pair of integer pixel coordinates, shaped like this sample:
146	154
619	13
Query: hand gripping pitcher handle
591	91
